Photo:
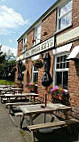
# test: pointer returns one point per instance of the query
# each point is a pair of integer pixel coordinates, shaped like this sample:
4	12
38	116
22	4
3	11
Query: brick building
56	31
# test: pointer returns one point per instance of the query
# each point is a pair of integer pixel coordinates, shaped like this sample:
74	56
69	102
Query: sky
16	16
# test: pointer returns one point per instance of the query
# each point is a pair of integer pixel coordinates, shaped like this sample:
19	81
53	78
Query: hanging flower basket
38	63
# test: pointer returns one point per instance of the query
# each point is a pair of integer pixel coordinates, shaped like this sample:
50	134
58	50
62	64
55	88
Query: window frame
60	17
59	70
24	43
33	71
35	34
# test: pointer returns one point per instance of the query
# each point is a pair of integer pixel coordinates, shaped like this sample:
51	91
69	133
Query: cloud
3	0
10	19
5	49
10	41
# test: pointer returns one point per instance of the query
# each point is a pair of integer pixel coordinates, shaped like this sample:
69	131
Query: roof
40	19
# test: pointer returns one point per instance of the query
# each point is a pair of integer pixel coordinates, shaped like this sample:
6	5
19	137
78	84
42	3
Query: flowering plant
59	92
38	63
49	88
31	85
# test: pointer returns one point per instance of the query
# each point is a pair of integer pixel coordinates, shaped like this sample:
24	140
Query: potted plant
38	63
31	86
59	93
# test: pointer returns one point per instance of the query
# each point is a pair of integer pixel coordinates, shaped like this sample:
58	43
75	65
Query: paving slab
8	130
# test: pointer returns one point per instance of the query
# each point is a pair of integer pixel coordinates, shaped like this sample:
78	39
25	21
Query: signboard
46	45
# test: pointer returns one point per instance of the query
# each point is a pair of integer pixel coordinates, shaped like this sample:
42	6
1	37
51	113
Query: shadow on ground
60	135
56	135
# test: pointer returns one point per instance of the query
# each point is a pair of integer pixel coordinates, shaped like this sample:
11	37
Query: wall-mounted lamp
45	33
25	45
34	40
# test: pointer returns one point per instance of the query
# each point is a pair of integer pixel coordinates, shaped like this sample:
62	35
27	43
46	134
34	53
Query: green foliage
6	82
7	60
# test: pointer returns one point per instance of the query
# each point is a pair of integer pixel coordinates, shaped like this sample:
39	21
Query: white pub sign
46	45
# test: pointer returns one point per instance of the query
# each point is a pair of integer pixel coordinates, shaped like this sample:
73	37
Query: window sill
61	30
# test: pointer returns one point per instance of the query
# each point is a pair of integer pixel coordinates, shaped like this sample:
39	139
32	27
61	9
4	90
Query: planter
38	64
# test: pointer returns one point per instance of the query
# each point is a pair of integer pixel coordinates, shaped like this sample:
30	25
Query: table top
30	109
21	95
16	88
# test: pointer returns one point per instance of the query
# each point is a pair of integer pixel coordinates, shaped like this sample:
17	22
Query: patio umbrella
9	68
21	68
46	80
5	72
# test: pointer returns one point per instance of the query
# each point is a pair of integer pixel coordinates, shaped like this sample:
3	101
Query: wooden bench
4	99
18	114
36	127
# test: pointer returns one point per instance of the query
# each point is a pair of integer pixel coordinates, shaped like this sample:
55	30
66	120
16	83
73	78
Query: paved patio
10	132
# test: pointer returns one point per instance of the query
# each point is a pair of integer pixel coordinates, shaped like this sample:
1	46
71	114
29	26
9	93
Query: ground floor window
61	70
34	74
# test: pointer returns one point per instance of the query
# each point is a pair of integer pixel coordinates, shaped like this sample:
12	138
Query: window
61	70
37	34
24	44
34	75
65	15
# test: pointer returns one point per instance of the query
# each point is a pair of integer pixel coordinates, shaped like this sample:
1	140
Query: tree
7	65
10	56
2	60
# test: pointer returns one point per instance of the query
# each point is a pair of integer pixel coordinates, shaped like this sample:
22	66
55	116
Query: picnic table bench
56	125
8	97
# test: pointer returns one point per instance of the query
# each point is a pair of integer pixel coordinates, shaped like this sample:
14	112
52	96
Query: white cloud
3	0
10	19
10	41
5	49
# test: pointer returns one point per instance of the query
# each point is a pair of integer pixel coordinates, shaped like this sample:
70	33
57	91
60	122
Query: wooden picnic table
33	111
18	95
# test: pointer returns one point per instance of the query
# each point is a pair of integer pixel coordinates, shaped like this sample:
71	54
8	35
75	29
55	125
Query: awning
62	49
74	55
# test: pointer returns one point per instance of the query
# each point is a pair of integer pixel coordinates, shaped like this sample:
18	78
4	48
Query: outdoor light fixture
45	33
25	45
33	40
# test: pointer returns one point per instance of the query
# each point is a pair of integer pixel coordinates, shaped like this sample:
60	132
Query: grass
6	82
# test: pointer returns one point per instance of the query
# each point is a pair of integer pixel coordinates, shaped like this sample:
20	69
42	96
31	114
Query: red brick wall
29	39
42	89
75	13
20	45
73	84
49	25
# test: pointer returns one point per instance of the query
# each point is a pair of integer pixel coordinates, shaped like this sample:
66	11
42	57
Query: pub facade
56	32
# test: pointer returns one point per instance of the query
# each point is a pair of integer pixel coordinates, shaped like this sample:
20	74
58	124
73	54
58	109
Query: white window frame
33	71
36	35
59	17
24	43
58	70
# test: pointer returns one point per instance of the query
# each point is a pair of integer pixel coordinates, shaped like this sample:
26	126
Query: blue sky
16	16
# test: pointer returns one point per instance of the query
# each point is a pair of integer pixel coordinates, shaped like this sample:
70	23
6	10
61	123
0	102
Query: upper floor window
64	15
24	43
37	34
